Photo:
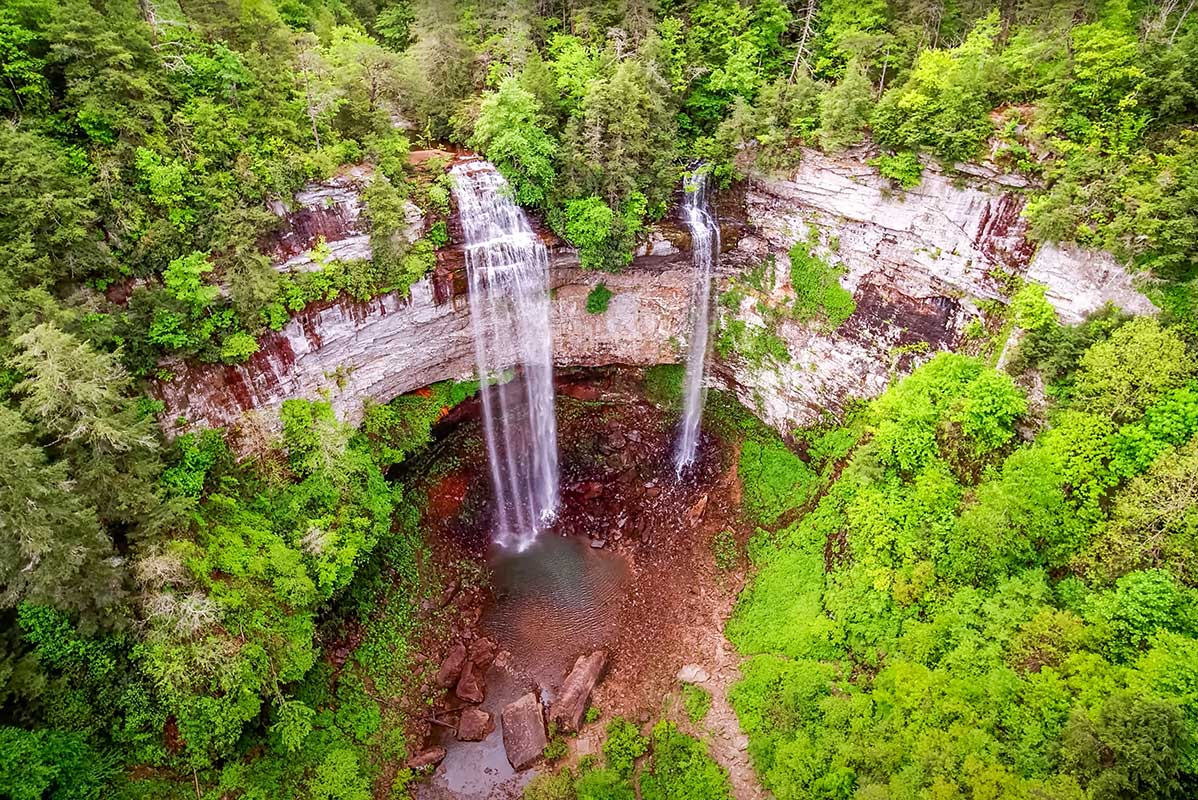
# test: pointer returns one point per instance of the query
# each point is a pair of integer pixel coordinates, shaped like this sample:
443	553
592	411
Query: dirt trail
720	729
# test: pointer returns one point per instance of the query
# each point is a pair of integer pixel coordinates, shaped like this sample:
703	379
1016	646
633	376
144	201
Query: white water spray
705	240
507	268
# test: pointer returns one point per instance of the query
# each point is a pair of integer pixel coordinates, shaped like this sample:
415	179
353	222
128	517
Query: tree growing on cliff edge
945	103
509	134
844	109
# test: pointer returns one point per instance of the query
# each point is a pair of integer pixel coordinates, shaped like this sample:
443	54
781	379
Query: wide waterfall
705	238
507	269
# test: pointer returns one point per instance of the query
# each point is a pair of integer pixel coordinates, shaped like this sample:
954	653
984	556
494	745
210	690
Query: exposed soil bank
628	568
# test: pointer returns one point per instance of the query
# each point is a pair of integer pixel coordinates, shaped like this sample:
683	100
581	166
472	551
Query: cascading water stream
705	238
507	268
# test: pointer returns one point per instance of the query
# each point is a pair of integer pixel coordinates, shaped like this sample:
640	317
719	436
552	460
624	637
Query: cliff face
352	352
919	265
331	212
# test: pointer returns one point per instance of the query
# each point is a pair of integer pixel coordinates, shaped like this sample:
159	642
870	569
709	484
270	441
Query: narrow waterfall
507	268
705	238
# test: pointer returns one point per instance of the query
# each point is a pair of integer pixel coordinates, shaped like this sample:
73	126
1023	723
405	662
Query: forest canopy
163	605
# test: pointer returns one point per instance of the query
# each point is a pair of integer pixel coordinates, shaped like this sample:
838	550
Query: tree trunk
803	39
1180	21
311	107
150	14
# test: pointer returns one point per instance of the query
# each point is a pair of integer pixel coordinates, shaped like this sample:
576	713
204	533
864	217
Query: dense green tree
79	399
844	109
53	549
49	223
623	140
1154	522
847	30
945	102
437	67
737	46
1130	750
507	132
1135	367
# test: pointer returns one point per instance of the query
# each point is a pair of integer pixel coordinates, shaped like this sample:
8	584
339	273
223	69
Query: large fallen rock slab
471	687
475	725
524	736
571	704
451	668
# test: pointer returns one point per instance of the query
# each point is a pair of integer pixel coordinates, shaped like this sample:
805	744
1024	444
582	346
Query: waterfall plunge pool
625	567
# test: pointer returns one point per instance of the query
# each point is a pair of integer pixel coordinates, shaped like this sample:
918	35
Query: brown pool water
554	601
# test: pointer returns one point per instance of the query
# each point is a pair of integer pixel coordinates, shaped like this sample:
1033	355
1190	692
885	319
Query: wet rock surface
474	725
471	686
571	704
482	652
451	667
524	737
427	758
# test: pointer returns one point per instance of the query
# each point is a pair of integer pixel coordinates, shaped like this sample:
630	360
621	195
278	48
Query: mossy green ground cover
970	612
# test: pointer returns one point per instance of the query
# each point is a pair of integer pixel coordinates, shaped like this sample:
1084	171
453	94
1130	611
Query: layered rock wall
353	352
920	264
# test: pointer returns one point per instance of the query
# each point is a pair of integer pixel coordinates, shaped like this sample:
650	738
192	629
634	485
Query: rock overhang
920	264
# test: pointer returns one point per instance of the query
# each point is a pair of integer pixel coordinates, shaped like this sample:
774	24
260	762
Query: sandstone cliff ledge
920	264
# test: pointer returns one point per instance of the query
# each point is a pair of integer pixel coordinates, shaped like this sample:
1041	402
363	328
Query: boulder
524	736
471	687
427	758
482	652
696	511
451	667
571	704
475	725
692	673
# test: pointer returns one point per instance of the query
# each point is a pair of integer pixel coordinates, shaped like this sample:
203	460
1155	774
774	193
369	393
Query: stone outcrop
474	725
921	265
524	737
568	709
392	345
330	212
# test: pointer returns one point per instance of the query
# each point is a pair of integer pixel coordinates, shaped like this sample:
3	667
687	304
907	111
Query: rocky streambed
604	610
